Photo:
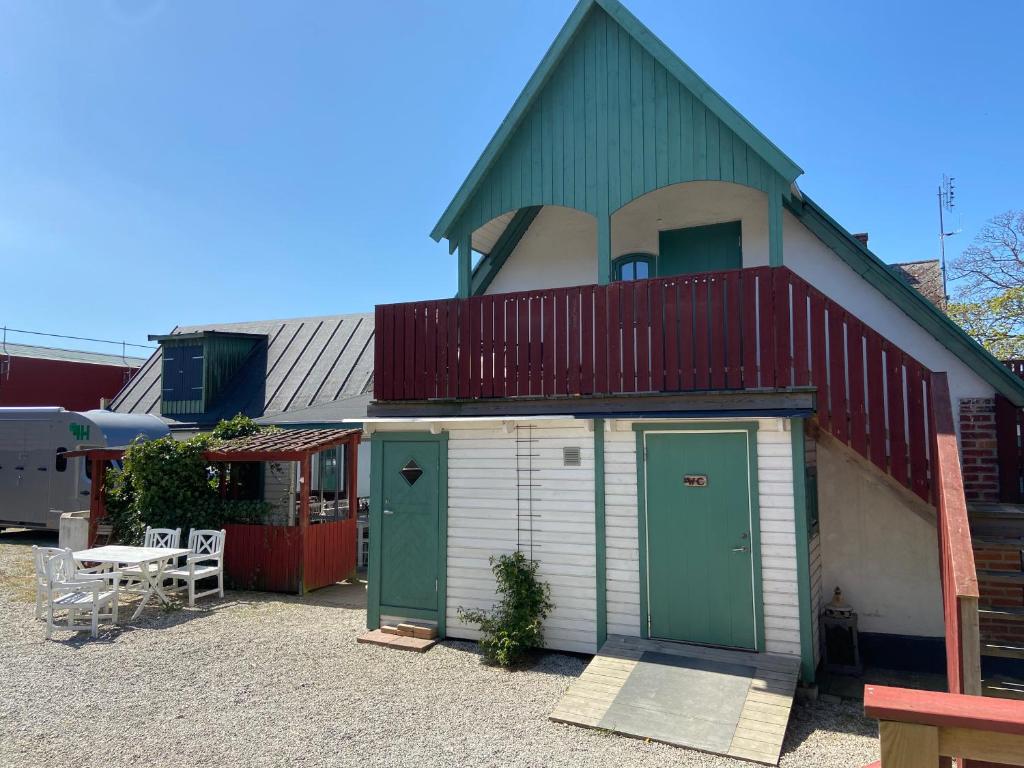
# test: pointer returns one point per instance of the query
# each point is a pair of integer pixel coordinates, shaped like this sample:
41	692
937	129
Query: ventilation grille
571	456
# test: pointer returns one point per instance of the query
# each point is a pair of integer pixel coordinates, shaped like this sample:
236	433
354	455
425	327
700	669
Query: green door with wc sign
409	525
699	521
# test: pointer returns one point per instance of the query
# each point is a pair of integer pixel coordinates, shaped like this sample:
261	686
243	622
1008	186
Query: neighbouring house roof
309	361
70	355
344	409
579	76
925	276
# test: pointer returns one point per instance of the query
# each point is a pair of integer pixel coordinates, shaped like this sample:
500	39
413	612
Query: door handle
389	512
741	549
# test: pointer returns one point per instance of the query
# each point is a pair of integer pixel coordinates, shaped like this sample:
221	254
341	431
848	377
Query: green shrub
515	626
166	483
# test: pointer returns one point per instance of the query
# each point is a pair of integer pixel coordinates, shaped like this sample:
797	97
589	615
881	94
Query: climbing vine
516	625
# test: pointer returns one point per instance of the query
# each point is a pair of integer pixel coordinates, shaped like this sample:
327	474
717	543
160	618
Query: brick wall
978	448
1000	594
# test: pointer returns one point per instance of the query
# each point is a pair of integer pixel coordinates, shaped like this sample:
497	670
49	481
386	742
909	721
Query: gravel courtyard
261	680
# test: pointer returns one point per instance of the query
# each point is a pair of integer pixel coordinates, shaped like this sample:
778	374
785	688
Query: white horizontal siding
484	520
622	569
778	540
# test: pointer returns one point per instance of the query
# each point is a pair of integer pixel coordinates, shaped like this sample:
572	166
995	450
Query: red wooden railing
925	728
956	552
740	329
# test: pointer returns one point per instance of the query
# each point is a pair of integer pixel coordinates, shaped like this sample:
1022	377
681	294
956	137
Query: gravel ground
259	680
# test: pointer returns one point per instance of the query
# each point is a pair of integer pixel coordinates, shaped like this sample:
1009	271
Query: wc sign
695	481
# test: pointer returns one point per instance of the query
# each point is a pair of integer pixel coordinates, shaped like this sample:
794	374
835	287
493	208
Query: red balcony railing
740	329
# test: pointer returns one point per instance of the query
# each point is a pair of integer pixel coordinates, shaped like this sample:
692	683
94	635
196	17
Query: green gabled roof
739	138
936	322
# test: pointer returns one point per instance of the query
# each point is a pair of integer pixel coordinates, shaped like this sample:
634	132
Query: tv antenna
947	202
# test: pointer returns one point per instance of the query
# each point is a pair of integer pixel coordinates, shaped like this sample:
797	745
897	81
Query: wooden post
465	266
352	452
305	477
97	496
908	745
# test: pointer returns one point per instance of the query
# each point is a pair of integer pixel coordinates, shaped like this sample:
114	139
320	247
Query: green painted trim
641	527
803	551
750	427
375	521
774	226
877	273
703	92
604	250
489	266
465	266
600	540
373	606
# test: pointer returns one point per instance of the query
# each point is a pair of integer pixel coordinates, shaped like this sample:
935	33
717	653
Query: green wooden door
409	525
699	249
699	554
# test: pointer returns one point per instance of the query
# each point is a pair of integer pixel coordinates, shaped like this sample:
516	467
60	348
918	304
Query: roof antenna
947	202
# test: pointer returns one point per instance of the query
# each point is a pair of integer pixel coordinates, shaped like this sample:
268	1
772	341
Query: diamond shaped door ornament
411	472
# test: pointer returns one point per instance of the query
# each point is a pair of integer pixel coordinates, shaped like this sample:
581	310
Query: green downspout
599	535
803	552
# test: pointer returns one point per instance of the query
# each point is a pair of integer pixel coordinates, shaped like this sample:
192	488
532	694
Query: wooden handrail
956	551
916	728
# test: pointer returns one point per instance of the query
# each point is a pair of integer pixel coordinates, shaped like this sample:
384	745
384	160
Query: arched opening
690	227
556	248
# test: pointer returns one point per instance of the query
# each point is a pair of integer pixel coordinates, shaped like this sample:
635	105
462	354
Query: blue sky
182	162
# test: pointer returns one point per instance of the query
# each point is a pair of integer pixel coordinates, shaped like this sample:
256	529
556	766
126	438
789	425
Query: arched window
633	266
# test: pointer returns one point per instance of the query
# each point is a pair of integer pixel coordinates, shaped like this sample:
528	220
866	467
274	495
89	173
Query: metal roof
70	355
306	362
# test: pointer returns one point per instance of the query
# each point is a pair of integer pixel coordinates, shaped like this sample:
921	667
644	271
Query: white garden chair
159	538
206	561
40	556
69	589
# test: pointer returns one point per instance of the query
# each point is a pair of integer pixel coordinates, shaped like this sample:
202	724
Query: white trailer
38	483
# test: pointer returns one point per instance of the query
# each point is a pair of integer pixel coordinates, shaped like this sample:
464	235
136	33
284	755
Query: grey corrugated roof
306	362
70	355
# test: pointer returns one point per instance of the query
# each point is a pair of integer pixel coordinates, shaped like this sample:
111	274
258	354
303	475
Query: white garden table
152	578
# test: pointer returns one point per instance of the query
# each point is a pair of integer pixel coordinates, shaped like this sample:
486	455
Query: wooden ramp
715	700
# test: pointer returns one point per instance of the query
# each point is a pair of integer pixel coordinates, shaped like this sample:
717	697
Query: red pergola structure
274	558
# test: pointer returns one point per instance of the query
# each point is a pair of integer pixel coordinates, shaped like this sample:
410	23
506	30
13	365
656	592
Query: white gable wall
559	250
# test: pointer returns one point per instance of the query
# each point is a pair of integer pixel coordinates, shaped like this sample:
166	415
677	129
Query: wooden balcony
751	329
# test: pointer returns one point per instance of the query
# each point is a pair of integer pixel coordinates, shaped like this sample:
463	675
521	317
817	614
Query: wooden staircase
997	532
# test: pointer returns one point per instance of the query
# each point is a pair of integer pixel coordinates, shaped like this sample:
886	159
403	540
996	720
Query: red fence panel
753	328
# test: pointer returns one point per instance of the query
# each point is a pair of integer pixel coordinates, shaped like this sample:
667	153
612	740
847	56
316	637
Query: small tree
516	625
989	302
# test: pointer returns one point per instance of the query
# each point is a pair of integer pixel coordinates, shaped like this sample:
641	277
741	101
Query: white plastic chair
70	590
160	538
206	560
